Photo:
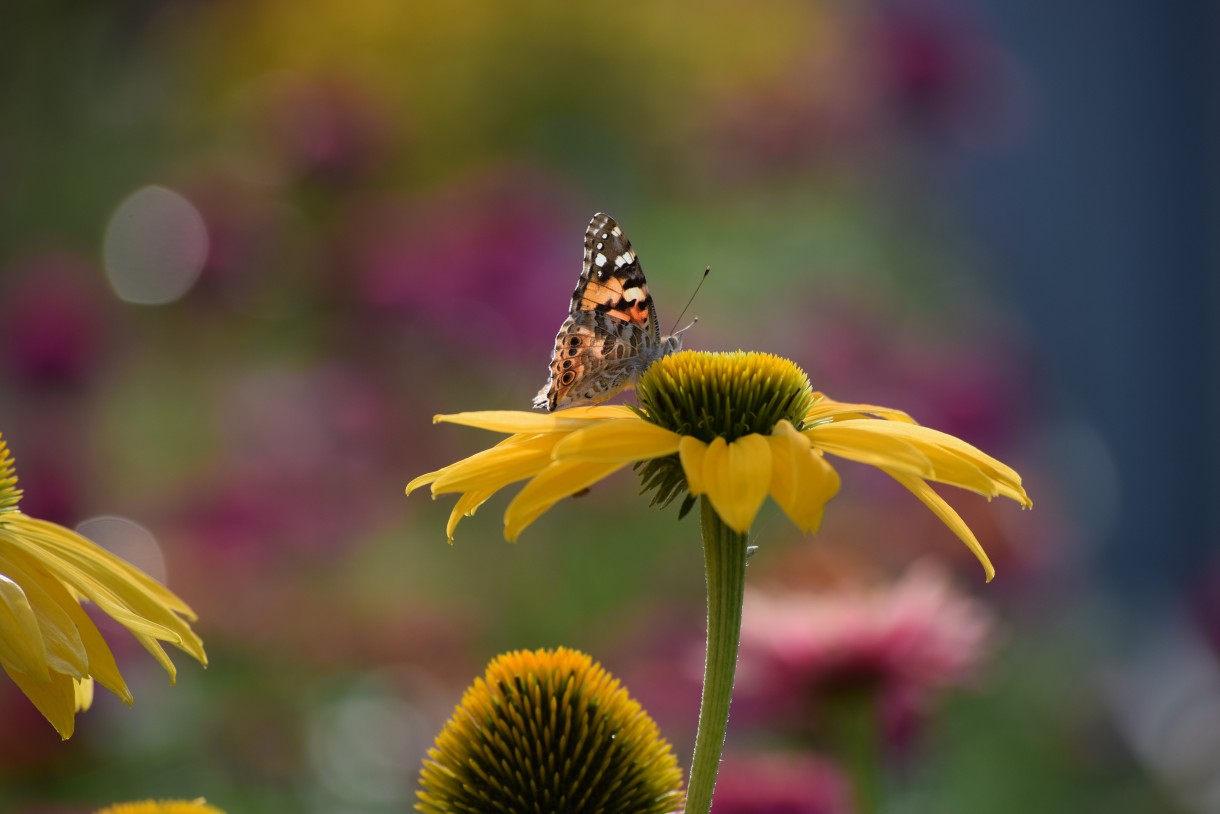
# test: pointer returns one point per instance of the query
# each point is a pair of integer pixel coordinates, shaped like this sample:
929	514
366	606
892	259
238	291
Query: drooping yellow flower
48	645
197	806
549	730
735	427
726	430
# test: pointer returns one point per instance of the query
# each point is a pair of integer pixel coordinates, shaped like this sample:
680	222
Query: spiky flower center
549	731
726	395
716	395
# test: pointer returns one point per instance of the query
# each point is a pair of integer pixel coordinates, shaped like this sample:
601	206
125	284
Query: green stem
854	725
724	557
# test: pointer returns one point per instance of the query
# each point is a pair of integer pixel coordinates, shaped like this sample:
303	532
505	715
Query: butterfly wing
611	280
611	333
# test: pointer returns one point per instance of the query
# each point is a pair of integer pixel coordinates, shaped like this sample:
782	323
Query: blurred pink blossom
864	343
53	319
780	784
488	263
250	232
304	459
943	72
327	128
900	643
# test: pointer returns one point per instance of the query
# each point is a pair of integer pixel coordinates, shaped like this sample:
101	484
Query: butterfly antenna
686	307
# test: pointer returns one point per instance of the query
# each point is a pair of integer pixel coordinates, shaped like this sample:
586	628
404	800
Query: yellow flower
549	730
198	806
48	645
735	427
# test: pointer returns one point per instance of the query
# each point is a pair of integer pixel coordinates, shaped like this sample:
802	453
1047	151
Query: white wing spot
617	232
605	236
633	294
600	260
622	260
601	246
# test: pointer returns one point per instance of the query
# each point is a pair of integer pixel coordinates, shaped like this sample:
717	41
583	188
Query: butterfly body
611	334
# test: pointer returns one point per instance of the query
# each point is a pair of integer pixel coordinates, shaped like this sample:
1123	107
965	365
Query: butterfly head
673	343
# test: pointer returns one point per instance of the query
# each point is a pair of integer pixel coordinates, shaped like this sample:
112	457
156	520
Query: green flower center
725	395
715	395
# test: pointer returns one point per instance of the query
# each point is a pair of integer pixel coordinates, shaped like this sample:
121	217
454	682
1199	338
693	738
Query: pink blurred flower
299	473
944	73
327	128
972	389
487	263
251	235
780	784
53	319
899	643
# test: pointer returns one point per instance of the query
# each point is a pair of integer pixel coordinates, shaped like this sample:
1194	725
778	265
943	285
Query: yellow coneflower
735	427
48	645
727	429
549	730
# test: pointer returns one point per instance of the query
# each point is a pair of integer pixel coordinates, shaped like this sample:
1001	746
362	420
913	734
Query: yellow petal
623	440
737	477
102	667
868	441
691	452
21	644
83	688
74	548
497	467
520	421
54	698
465	507
97	656
120	590
802	482
559	480
124	592
65	651
960	464
825	408
423	480
429	477
947	515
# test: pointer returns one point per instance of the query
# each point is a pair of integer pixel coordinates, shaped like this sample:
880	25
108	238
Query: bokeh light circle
154	247
129	540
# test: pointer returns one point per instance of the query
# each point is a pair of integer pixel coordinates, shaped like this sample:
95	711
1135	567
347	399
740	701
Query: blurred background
247	250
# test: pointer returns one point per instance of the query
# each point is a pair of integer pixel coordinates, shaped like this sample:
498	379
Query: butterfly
611	334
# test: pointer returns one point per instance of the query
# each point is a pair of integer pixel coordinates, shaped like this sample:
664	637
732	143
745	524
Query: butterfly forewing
612	280
611	334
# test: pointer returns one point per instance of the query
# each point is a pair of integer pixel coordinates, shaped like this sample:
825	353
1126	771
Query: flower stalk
855	732
724	556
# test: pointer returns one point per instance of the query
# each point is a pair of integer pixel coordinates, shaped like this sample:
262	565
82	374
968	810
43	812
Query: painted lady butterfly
611	334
